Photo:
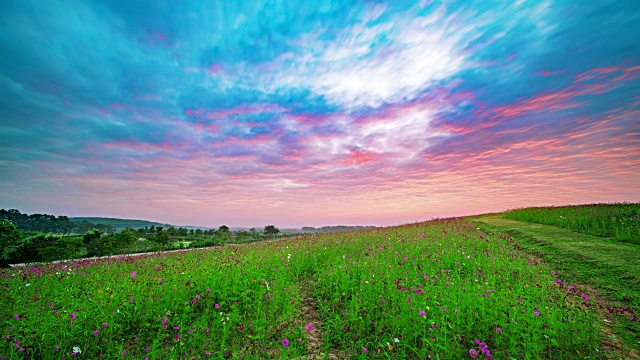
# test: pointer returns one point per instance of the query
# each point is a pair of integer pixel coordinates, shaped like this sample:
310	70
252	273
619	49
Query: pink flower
422	313
96	332
16	316
72	316
473	353
285	342
105	325
364	350
536	313
309	328
133	274
217	306
164	320
498	330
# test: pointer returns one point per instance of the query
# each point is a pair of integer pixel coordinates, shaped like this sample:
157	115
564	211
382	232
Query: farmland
448	289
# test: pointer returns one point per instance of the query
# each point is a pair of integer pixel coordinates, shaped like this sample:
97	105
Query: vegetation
118	224
619	221
51	224
441	289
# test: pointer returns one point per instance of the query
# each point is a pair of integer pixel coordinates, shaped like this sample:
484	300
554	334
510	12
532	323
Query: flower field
440	289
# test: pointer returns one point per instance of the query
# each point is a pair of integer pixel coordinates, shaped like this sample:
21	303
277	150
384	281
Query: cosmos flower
285	342
473	353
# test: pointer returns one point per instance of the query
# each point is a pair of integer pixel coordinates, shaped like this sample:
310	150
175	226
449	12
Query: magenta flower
124	352
536	313
72	316
473	353
364	350
206	330
309	328
241	327
105	325
498	330
164	320
50	303
177	336
133	274
422	313
217	306
165	326
96	332
16	316
285	342
177	327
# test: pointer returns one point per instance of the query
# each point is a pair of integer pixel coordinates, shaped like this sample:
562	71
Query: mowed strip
602	263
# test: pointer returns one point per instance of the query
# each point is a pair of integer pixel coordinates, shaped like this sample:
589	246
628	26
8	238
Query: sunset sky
293	113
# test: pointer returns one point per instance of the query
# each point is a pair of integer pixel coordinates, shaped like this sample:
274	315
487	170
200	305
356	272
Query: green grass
618	221
437	289
604	264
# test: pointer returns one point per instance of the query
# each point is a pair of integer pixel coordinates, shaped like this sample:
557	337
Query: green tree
91	235
124	239
161	238
9	236
271	230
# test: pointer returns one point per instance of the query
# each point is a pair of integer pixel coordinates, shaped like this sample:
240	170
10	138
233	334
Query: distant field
448	289
119	224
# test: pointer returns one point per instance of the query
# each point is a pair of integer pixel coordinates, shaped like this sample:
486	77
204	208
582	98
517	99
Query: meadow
443	289
620	221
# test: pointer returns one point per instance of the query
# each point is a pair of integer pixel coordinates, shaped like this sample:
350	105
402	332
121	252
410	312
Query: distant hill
119	224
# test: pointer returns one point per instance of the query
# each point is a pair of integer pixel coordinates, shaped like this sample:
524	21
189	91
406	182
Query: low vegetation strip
441	289
603	264
618	221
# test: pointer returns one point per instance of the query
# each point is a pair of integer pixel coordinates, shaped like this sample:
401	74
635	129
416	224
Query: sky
311	113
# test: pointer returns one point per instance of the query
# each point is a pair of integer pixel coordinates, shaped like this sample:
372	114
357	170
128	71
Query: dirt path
312	322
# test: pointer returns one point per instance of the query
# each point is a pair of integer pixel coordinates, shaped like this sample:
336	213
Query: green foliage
50	224
161	238
91	235
46	247
9	236
271	230
618	221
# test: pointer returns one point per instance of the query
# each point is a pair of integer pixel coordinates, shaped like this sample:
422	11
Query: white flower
27	284
76	350
396	340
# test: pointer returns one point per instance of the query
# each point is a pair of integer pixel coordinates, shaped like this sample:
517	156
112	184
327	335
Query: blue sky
316	112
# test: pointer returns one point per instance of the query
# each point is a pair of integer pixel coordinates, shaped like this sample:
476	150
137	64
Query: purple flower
190	331
309	328
364	350
285	342
177	327
422	313
16	316
72	316
473	353
96	332
241	327
105	325
217	306
124	352
164	320
536	313
177	336
206	330
133	274
498	330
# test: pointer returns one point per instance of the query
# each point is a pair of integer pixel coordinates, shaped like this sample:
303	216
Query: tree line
17	246
51	224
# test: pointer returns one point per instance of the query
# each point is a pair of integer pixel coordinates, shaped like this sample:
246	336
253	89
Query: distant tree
60	248
192	232
124	239
161	238
183	232
198	232
271	230
241	235
9	236
91	235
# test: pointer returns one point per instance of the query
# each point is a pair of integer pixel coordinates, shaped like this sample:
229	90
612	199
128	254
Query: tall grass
620	221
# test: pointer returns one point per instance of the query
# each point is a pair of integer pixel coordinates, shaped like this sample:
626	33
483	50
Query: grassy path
610	267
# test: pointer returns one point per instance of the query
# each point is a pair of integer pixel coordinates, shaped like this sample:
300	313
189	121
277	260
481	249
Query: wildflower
206	330
133	274
57	348
100	291
177	327
217	306
72	316
124	352
498	330
105	325
76	350
241	327
473	353
536	313
96	332
309	328
50	303
16	316
164	320
177	336
190	331
285	342
422	313
364	350
396	340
